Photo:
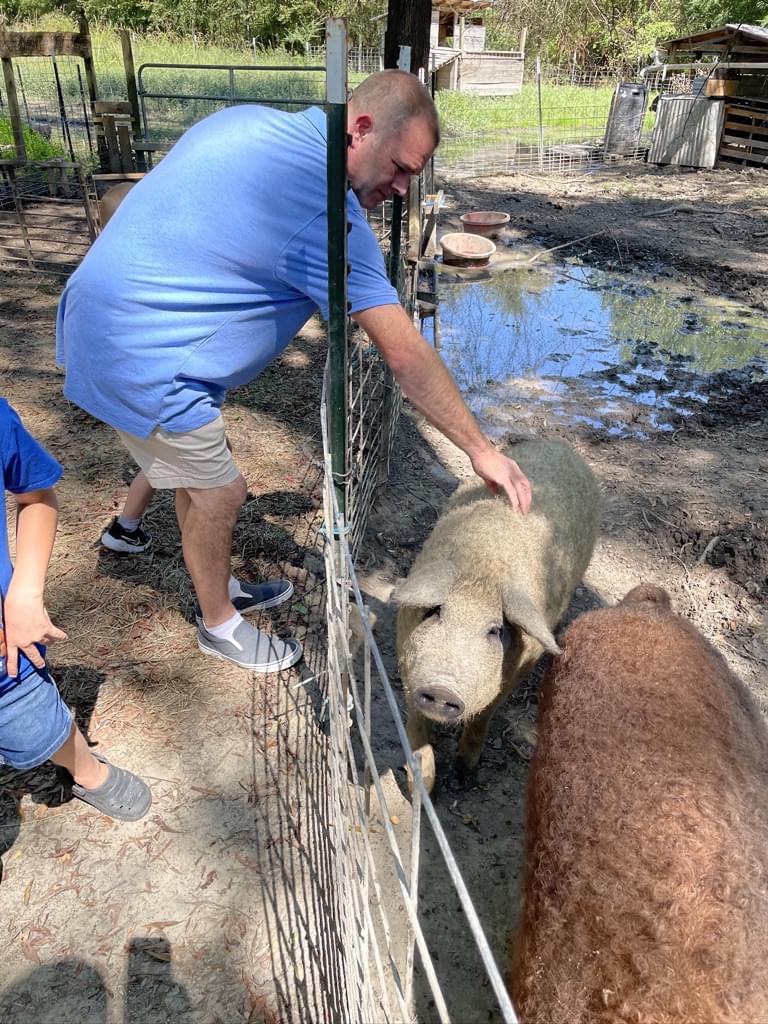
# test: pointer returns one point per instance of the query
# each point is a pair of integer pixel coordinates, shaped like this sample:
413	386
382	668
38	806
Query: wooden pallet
744	139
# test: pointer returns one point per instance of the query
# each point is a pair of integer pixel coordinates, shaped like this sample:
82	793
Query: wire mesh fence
55	108
374	406
46	216
379	850
563	131
483	154
557	122
361	60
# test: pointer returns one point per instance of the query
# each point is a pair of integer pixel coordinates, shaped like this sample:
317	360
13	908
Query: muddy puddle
624	354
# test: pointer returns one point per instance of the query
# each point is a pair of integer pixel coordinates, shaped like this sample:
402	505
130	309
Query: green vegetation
608	34
616	35
38	147
568	111
562	106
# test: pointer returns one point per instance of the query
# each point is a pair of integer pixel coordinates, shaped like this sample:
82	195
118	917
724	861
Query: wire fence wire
361	60
558	122
54	103
373	410
565	133
379	850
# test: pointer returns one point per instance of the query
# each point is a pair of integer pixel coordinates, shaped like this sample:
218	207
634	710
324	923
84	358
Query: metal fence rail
172	97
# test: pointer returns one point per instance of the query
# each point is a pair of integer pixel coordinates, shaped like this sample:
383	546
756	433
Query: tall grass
157	48
36	145
563	106
567	110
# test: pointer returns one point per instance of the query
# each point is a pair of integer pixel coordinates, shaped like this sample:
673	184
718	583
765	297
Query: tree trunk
408	23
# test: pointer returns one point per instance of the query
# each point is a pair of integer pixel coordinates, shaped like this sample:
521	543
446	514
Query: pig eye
432	613
495	632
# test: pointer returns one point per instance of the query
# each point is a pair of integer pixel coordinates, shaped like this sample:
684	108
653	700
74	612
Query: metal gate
172	97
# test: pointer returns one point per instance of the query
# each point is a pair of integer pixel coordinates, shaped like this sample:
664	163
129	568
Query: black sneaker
260	596
117	538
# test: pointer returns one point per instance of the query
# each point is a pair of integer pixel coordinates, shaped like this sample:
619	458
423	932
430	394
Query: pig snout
439	702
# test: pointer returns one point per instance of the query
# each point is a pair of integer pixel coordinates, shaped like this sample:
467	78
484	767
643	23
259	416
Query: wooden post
87	55
408	24
413	203
9	174
396	225
13	109
90	77
130	80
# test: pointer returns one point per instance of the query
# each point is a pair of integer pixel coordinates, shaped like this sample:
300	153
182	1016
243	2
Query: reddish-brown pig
646	889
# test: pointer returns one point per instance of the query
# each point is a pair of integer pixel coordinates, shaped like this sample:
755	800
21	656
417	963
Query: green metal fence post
336	105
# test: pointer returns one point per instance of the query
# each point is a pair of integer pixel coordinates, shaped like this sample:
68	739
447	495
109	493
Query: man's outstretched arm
428	384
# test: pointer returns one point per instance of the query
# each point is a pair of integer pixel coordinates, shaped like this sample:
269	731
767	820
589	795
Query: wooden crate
721	87
744	139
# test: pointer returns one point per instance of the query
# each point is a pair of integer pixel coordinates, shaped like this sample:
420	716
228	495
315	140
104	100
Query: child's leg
139	496
36	726
75	755
125	533
111	790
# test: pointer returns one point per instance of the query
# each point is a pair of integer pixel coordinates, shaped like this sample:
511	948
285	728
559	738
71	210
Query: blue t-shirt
25	466
207	270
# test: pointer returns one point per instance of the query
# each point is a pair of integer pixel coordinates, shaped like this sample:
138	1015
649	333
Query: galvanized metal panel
687	131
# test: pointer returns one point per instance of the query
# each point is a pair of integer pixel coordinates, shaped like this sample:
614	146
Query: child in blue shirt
35	724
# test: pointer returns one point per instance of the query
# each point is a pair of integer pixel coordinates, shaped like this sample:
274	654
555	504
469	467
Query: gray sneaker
123	795
250	648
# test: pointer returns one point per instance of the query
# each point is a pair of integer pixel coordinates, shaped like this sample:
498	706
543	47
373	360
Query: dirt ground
184	917
707	229
686	509
209	909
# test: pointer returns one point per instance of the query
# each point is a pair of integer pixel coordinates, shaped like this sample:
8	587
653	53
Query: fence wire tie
338	531
310	679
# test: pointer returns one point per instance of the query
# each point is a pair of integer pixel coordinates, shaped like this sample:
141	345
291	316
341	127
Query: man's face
380	164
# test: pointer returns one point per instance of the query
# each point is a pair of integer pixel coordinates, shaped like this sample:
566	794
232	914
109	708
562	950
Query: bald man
204	275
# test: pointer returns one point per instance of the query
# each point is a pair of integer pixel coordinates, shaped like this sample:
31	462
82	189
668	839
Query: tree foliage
599	33
610	33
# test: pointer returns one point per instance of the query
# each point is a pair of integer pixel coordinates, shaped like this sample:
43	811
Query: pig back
547	550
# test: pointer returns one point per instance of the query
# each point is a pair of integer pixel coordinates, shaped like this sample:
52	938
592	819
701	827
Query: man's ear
360	128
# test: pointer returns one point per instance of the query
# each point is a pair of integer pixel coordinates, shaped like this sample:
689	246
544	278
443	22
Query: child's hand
26	624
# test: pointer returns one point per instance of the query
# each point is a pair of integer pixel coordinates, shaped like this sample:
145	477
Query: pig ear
520	610
427	586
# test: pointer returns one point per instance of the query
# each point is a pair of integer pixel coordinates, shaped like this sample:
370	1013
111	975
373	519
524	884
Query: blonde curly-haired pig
478	607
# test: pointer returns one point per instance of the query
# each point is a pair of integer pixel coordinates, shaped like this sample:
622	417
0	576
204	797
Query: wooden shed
723	120
458	55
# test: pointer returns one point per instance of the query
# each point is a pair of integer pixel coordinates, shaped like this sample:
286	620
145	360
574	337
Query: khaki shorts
200	458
